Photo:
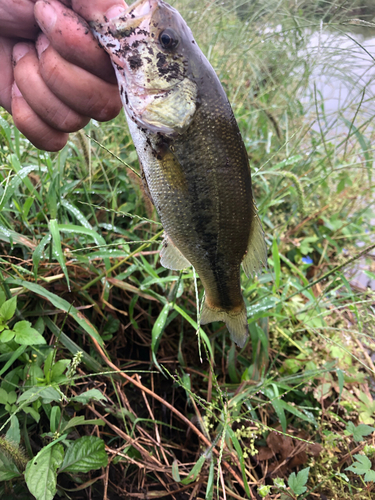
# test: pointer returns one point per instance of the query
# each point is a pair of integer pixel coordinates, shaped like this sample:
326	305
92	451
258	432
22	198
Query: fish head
150	46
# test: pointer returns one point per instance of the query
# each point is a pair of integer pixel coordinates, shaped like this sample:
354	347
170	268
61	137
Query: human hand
61	77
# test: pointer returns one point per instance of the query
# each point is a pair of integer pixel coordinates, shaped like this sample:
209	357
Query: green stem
113	154
108	271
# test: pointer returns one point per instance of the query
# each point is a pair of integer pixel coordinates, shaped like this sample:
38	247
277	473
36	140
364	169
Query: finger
38	96
6	73
71	37
33	127
87	94
17	19
96	10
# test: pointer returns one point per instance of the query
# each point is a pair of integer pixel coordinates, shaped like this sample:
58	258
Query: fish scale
194	162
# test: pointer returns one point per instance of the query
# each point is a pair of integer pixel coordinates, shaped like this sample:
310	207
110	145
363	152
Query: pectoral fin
256	253
171	257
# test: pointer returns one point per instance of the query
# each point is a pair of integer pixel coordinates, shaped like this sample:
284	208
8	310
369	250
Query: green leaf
26	206
99	240
157	331
60	304
26	335
48	394
8	309
308	417
370	476
16	165
35	375
53	227
54	418
361	466
210	481
41	475
8	469
238	449
51	195
12	397
17	180
87	396
185	315
159	324
6	131
13	433
262	308
77	214
30	411
233	375
276	264
39	325
297	482
358	432
48	363
195	470
12	237
73	422
3	396
365	145
273	394
58	369
85	454
340	378
175	472
264	490
72	347
38	253
14	356
7	335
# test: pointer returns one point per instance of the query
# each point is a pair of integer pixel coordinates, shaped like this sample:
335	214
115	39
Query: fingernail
115	11
16	91
19	50
46	16
41	44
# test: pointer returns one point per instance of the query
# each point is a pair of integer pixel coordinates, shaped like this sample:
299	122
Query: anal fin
256	254
171	257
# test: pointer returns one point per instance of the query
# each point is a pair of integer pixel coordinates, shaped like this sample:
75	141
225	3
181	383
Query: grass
106	389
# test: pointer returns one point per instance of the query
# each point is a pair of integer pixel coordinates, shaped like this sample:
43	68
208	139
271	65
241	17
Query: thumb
96	10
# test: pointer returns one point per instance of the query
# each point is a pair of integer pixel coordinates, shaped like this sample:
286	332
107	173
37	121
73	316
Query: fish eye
168	39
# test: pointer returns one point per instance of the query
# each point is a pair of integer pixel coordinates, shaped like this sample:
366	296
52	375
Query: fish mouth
127	21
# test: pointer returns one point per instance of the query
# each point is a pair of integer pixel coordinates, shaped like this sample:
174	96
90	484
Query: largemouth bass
193	161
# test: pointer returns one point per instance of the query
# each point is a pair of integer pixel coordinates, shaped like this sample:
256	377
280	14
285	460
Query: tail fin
236	322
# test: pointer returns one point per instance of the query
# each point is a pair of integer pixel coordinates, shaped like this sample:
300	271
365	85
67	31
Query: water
342	92
342	84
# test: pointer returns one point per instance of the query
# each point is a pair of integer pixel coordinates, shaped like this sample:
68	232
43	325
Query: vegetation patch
108	387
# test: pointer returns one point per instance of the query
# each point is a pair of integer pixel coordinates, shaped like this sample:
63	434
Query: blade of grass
54	229
60	303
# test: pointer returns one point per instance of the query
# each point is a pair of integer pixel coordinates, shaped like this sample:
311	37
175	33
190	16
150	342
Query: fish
194	164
